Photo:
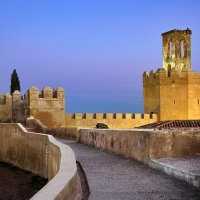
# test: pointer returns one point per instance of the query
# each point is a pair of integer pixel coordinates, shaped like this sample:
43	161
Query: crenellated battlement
172	95
5	105
161	76
113	120
46	93
47	105
102	116
5	98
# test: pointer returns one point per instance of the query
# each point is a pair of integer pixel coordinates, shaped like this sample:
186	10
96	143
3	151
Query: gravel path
190	164
116	177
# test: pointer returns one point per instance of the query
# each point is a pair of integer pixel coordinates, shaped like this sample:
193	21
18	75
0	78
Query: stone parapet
42	155
113	120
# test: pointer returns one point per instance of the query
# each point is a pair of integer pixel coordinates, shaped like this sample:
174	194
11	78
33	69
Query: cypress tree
15	83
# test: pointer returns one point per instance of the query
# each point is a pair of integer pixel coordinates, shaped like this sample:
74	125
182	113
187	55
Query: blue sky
97	50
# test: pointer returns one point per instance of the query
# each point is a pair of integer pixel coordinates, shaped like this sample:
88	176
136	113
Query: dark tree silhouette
15	83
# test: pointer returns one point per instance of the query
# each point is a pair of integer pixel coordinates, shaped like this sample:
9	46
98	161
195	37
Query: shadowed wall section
5	105
42	155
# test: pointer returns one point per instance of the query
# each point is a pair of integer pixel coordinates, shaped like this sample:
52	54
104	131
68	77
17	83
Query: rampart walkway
116	177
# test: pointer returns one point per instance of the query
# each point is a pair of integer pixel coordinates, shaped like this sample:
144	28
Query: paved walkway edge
181	175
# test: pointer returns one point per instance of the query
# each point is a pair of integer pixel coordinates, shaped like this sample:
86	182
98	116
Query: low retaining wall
42	155
67	133
143	144
139	144
168	143
134	144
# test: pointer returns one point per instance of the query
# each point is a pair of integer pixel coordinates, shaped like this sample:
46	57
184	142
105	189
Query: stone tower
176	46
173	92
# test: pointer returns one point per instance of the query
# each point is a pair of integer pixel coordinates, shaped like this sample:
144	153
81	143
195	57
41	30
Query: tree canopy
15	83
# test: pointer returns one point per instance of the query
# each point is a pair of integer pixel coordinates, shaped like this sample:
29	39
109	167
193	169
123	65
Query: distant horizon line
85	95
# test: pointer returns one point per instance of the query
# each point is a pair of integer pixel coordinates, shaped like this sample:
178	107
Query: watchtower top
187	31
176	46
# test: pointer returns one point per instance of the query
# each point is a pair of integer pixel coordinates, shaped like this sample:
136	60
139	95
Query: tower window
198	101
170	49
168	70
174	101
182	49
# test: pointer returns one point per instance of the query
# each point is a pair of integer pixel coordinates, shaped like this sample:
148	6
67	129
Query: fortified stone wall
140	144
143	145
172	97
114	121
44	156
46	105
5	105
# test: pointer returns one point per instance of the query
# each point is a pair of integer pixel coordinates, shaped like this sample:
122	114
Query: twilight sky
97	50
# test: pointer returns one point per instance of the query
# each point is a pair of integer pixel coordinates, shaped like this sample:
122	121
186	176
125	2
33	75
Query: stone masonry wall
5	106
46	105
42	155
114	121
143	144
174	97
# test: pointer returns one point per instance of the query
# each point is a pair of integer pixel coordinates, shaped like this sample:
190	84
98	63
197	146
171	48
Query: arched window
170	48
182	49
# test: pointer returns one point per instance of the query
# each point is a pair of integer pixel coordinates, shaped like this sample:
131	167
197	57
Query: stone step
29	129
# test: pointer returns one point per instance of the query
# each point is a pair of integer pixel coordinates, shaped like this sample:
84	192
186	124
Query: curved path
116	177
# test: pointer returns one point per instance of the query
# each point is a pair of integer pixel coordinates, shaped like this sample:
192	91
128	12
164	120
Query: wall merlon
154	117
89	116
33	93
146	116
59	93
69	116
16	95
152	75
78	116
99	116
2	100
118	116
128	116
137	116
161	73
47	93
5	105
109	115
145	76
